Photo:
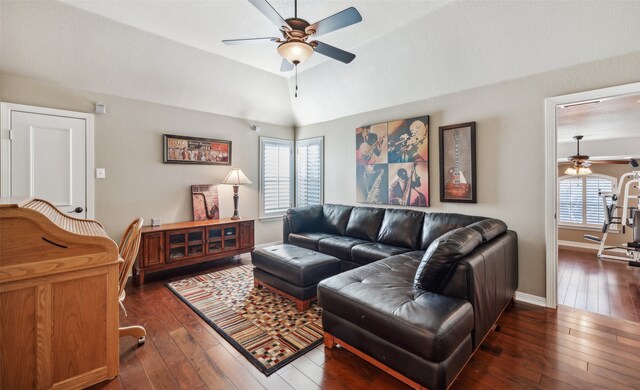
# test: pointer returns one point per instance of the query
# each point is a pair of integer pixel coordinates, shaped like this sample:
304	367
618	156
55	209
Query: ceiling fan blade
268	11
248	40
335	22
286	66
334	52
621	161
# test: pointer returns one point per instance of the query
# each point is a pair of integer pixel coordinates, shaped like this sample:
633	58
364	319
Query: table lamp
235	178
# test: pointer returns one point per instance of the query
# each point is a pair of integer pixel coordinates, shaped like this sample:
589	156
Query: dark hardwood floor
530	348
608	287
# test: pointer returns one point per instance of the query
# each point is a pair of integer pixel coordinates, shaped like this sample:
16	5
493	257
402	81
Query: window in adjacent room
309	171
276	176
579	202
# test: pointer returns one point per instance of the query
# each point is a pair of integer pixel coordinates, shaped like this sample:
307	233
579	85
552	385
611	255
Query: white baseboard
574	244
585	245
532	299
266	244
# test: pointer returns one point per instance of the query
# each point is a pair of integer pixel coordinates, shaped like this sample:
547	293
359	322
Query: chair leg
134	331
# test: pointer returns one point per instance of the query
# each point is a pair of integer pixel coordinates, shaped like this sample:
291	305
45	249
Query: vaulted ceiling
170	52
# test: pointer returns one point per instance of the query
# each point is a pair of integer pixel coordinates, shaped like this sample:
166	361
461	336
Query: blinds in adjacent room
594	206
309	171
276	176
570	204
579	200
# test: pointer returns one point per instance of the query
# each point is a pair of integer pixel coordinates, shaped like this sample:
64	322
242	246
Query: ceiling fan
294	46
580	163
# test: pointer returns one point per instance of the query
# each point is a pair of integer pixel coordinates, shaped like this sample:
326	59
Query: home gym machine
628	188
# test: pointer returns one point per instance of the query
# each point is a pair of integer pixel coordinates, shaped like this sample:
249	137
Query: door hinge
10	135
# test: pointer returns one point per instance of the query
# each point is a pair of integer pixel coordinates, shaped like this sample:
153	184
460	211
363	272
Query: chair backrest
129	245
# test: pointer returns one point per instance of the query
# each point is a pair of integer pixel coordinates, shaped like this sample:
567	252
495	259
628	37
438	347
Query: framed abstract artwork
179	149
458	181
392	162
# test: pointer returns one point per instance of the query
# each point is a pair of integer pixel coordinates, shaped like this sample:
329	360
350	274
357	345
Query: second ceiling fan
298	36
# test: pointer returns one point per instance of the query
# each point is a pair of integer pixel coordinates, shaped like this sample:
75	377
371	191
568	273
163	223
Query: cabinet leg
138	280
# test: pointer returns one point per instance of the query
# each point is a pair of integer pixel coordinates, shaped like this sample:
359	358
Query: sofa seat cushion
415	255
339	247
380	297
373	251
308	240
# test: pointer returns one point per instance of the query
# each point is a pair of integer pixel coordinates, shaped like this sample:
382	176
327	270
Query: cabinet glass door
230	238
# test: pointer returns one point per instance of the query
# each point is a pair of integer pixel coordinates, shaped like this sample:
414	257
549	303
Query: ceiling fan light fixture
578	170
295	52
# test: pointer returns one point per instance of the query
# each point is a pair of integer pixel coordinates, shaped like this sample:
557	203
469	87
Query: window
276	176
579	201
309	171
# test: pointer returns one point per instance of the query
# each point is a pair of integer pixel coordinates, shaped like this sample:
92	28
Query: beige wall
510	148
613	238
128	143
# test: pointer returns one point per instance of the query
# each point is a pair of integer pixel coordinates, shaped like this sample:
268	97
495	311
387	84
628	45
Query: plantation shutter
309	162
579	200
594	205
276	173
570	200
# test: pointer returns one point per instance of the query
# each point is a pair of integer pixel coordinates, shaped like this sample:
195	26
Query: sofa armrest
488	278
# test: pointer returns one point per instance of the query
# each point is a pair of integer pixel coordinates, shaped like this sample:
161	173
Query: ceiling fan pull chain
296	94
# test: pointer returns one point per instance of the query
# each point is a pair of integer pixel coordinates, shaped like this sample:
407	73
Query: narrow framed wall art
458	181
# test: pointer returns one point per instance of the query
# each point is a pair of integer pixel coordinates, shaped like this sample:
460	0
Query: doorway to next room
598	220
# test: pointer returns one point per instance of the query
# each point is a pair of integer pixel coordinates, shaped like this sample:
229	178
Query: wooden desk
179	244
58	298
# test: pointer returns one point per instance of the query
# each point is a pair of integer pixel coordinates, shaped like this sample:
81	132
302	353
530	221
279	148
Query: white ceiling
170	52
203	24
610	126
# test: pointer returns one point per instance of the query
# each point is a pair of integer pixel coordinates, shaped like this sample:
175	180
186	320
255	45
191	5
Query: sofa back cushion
364	223
443	255
489	228
304	219
335	218
401	228
437	224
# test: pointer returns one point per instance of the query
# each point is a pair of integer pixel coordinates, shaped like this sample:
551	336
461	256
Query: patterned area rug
266	328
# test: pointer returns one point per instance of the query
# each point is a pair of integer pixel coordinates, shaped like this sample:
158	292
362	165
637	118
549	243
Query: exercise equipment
622	217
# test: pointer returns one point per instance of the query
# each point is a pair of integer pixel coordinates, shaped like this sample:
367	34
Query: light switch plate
101	173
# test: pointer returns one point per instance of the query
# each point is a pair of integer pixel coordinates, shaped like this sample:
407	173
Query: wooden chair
129	245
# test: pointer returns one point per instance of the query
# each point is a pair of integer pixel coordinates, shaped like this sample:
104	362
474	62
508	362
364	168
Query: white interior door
48	159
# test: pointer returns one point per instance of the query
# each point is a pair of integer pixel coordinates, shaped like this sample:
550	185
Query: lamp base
236	198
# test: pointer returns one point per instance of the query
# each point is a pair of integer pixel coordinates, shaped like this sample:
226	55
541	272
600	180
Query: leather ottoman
292	271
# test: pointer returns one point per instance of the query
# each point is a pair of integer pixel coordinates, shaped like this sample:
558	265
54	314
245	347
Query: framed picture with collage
392	162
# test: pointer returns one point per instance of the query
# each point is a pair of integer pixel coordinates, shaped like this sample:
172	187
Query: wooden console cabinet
179	244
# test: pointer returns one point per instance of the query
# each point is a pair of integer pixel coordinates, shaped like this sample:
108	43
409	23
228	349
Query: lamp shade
235	177
295	51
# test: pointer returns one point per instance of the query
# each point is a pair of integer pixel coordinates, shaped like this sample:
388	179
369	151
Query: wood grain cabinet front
185	243
152	252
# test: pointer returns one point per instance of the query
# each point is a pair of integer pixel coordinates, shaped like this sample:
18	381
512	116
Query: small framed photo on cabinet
458	181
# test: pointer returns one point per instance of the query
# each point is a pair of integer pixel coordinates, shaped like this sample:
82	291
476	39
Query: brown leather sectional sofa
418	292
